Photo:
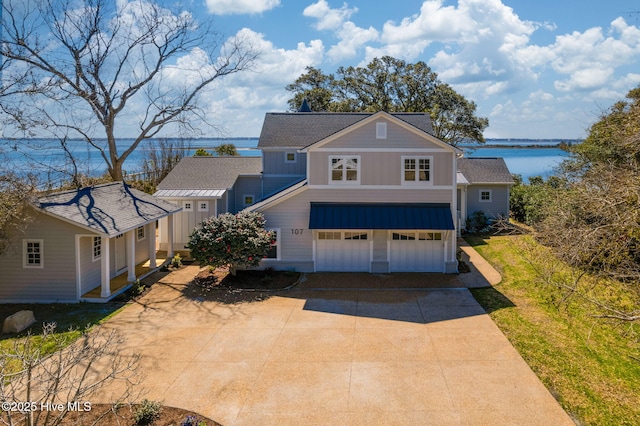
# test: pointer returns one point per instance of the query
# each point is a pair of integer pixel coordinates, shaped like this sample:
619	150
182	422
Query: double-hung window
416	169
273	250
32	254
344	169
97	248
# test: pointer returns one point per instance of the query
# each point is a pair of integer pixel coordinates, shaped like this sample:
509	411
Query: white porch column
152	245
105	275
131	255
170	236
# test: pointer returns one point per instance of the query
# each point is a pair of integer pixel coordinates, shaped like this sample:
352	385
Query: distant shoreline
557	145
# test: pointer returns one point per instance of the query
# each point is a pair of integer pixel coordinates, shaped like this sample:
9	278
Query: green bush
147	412
231	240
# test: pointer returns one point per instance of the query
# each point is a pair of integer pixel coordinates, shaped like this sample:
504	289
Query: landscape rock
18	322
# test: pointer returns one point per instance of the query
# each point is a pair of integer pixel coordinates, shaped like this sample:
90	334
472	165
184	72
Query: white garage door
343	251
417	251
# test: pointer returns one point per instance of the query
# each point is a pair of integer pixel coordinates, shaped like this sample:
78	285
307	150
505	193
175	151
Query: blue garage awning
381	216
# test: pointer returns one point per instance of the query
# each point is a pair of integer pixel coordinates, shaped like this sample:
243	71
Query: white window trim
416	181
490	196
25	264
278	245
144	233
344	180
201	208
93	248
295	157
188	208
244	199
381	130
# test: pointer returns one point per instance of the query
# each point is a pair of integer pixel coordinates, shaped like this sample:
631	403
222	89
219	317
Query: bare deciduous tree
94	69
45	388
15	193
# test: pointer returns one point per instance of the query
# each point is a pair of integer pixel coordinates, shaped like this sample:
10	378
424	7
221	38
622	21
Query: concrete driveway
339	356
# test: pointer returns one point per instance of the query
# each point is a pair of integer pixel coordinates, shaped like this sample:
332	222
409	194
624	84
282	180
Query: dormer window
344	169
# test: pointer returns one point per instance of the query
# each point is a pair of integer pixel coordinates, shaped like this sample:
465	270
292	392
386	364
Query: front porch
120	283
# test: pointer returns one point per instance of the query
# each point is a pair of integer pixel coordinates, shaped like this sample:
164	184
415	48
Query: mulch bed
246	286
124	416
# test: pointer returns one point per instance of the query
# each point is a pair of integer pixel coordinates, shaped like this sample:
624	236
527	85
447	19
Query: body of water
525	157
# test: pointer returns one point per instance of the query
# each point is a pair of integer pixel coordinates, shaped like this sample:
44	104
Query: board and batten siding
56	280
291	216
499	204
183	222
275	163
382	168
364	137
247	185
274	184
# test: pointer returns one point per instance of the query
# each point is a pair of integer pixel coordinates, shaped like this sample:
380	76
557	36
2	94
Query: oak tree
391	85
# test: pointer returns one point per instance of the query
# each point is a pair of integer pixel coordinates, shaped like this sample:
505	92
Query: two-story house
372	192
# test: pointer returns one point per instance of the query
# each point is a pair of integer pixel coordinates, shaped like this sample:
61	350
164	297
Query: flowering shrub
231	240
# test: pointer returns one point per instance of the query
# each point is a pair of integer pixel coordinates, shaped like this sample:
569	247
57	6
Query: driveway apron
339	355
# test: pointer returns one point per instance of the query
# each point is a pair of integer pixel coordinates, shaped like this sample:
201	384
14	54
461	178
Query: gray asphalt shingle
111	208
485	170
301	129
210	172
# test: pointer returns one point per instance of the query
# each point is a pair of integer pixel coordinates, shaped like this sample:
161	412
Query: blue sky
542	69
536	69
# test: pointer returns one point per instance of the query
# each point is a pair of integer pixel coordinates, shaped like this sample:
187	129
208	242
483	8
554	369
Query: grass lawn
591	366
70	319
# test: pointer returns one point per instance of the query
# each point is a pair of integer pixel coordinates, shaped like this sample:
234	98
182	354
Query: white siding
293	214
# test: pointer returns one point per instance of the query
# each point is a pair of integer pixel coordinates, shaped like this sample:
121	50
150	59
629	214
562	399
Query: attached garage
415	242
341	251
416	251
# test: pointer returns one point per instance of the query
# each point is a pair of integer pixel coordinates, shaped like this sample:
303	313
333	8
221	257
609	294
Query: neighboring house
372	192
78	241
205	187
484	184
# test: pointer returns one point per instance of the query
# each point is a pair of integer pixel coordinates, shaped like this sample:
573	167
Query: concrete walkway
338	356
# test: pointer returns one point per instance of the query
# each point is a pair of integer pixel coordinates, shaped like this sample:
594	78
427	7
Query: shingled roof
209	173
301	129
111	209
485	170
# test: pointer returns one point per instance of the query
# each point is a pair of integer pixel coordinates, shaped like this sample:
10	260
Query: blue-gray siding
274	163
56	280
499	205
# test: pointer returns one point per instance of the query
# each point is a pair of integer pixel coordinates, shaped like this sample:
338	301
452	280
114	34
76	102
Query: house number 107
296	231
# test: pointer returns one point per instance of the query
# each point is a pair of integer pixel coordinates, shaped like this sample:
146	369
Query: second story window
290	157
416	169
344	169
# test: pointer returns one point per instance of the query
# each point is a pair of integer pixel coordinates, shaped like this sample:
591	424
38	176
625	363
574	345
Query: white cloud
352	38
240	7
238	102
328	18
